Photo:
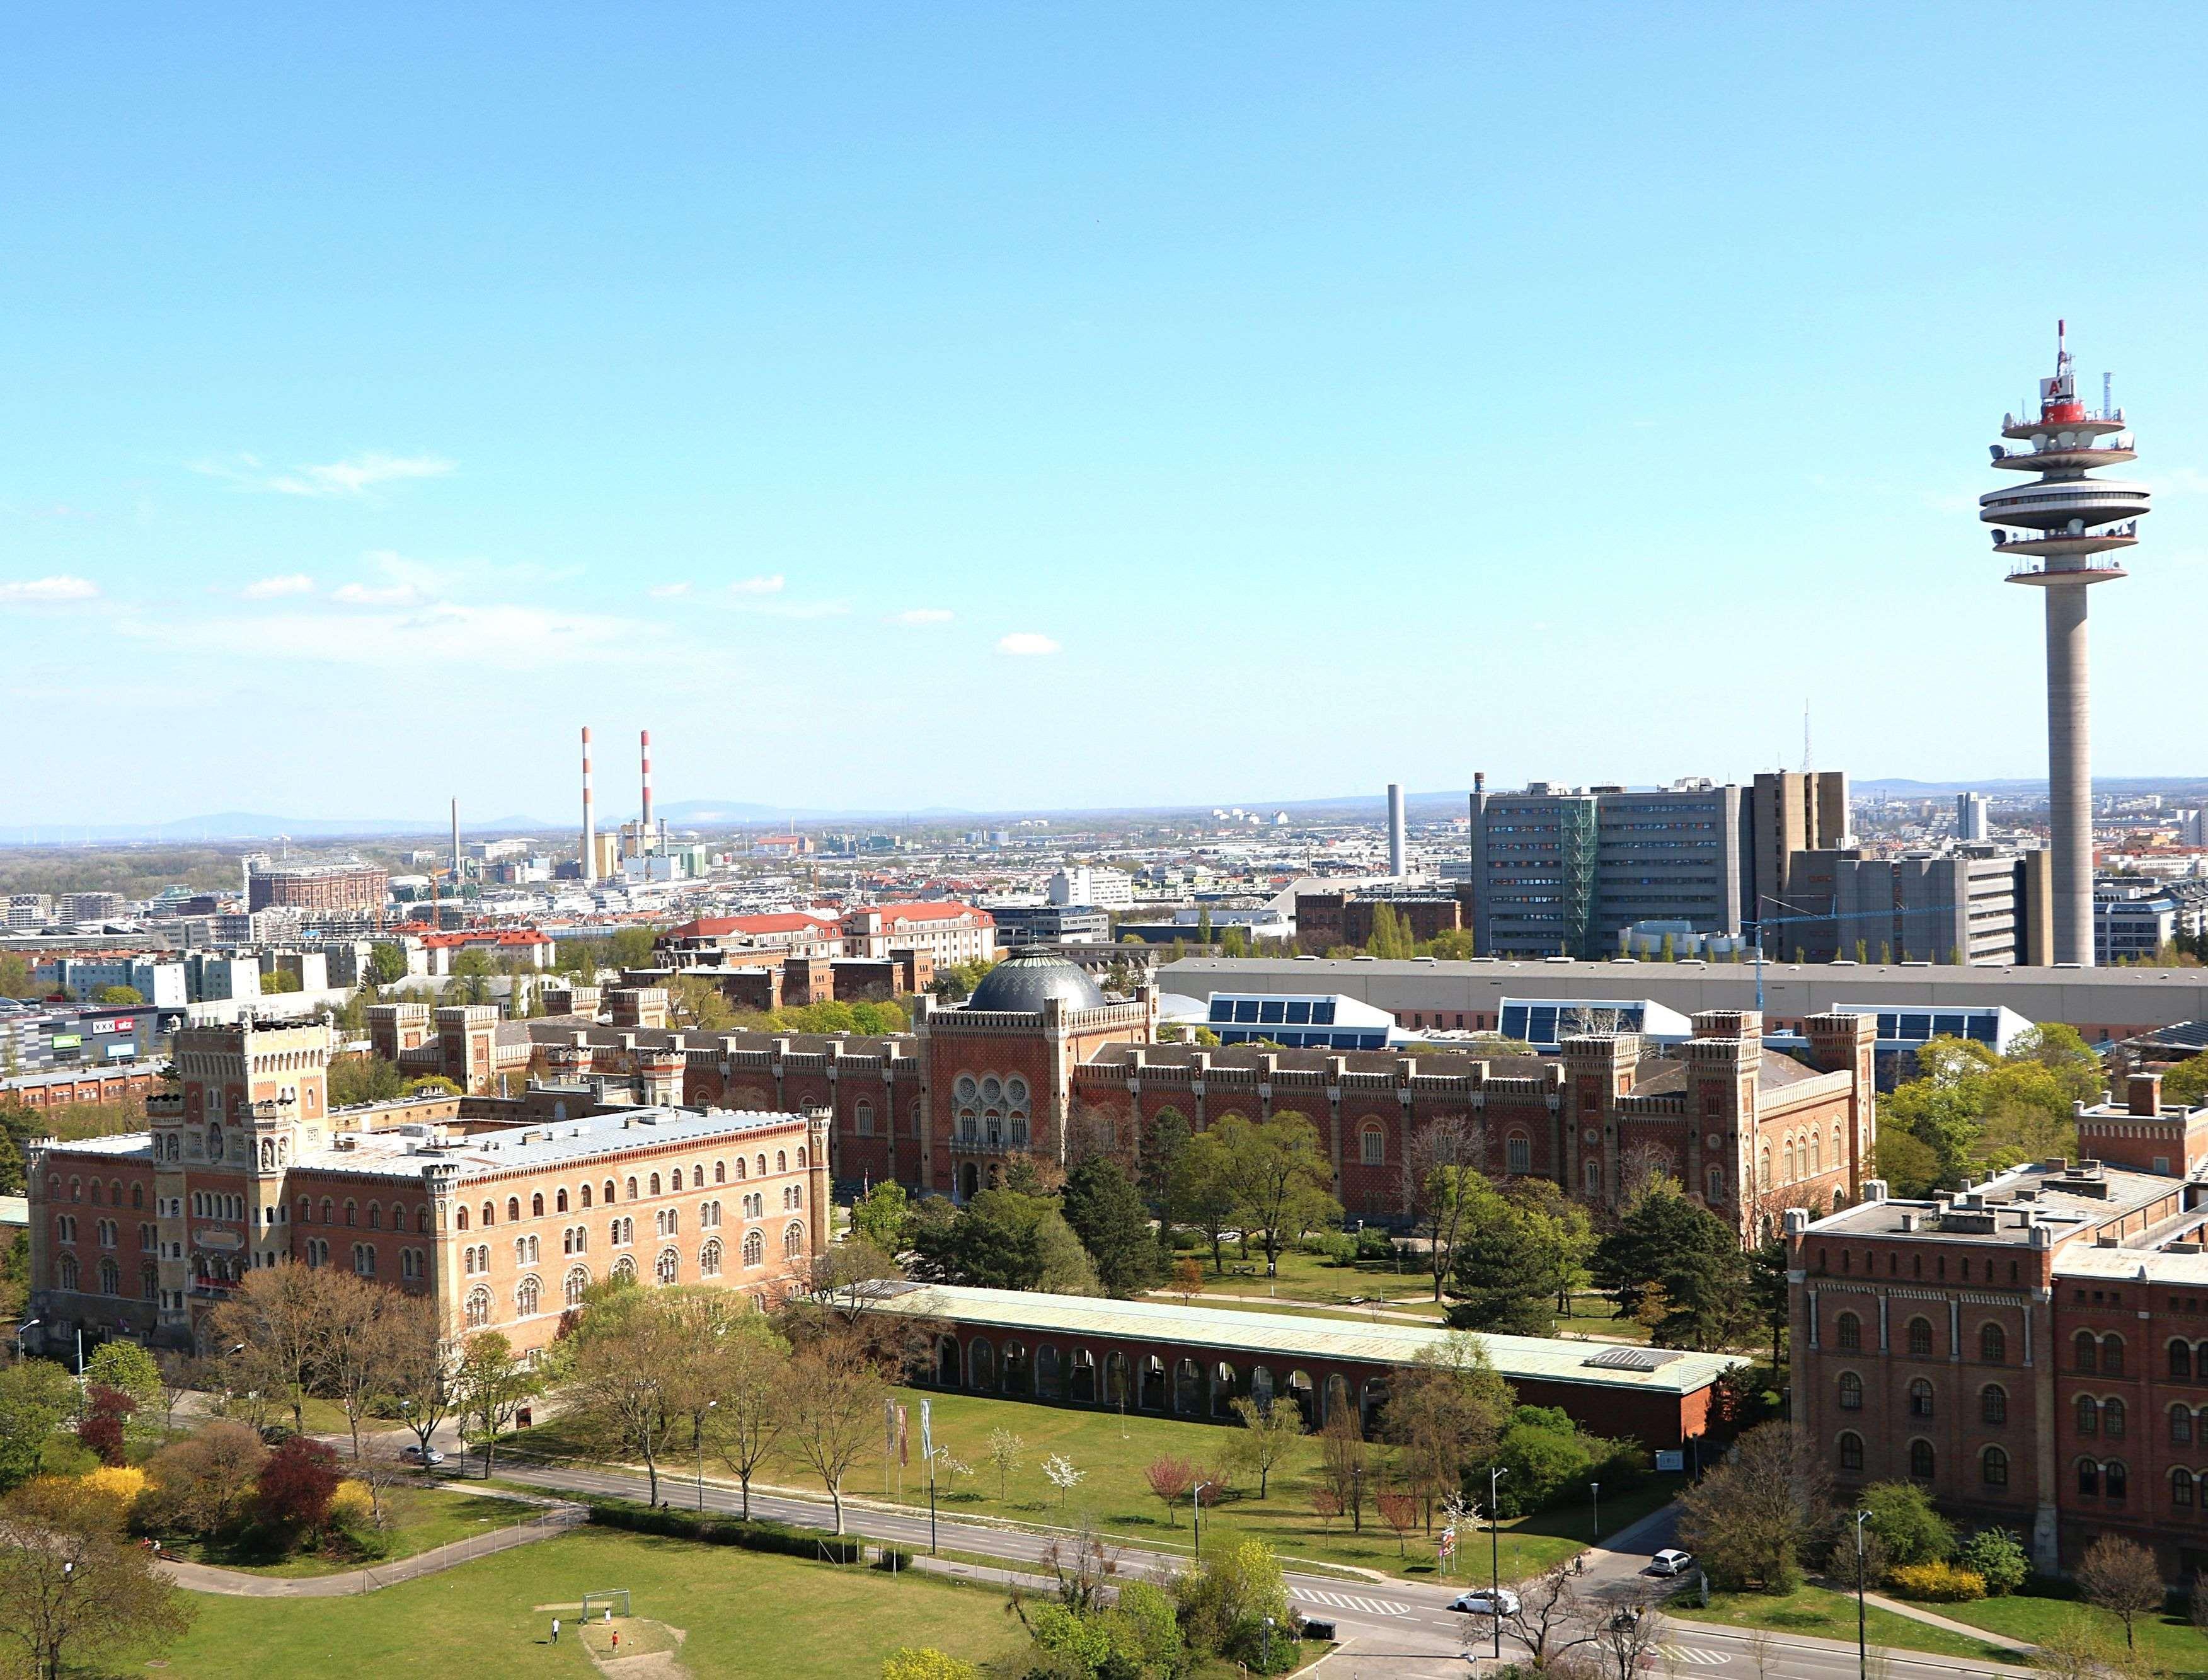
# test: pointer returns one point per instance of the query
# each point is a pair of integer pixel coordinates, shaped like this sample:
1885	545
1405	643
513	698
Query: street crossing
1349	1601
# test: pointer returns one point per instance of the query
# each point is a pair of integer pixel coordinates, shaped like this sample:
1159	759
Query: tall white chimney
456	840
589	837
1398	846
644	837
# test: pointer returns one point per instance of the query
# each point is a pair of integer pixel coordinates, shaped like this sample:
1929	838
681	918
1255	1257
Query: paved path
555	1519
1918	1613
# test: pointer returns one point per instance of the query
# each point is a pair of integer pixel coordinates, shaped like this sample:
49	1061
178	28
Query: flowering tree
1059	1472
1006	1451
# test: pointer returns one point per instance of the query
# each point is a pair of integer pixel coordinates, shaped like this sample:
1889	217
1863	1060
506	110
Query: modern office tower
1398	846
1788	812
2067	524
1974	817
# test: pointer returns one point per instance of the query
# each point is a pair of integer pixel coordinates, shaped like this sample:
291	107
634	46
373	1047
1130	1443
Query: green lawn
1823	1614
1307	1277
421	1520
2170	1643
1112	1453
742	1613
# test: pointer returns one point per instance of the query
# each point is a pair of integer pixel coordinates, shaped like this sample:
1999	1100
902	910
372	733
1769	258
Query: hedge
753	1536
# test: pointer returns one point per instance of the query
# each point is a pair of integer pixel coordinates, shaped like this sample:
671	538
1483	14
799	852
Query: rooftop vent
1631	1359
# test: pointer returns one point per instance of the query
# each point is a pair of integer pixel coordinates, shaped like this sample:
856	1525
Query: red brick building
2031	1350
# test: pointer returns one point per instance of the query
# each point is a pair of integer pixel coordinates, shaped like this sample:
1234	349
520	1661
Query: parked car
1670	1562
430	1457
1481	1601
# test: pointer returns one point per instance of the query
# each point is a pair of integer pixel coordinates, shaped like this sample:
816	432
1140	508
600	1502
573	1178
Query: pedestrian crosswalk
1692	1658
1351	1601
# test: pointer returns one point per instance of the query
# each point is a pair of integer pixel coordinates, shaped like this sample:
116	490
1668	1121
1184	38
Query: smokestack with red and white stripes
589	837
645	831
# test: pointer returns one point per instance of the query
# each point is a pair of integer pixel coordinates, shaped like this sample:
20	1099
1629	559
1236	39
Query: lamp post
1268	1644
1594	1492
710	1405
1495	1474
27	1324
1863	1651
1357	1497
1195	1500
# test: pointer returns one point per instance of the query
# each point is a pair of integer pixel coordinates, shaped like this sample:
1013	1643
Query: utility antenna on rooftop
1805	737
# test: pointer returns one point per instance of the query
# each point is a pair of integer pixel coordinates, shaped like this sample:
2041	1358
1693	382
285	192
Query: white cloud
58	588
767	585
922	615
353	477
1027	642
436	636
267	588
371	595
668	592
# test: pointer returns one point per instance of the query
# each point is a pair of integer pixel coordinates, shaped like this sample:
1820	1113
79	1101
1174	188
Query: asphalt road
1401	1629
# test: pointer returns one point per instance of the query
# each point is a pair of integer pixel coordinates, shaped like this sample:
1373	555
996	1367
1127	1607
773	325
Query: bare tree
1624	1636
1762	1651
276	1328
1551	1617
1082	1565
2074	1649
180	1374
1267	1435
204	1480
1640	1168
71	1590
751	1370
2121	1577
360	1347
1749	1519
835	1396
421	1381
1442	1162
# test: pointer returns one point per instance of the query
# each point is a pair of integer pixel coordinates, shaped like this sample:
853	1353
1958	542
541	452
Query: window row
1993	1400
76	1191
667	1269
68	1275
350	1214
1918	1338
632	1189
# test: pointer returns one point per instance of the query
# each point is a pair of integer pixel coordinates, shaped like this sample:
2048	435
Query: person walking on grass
556	1631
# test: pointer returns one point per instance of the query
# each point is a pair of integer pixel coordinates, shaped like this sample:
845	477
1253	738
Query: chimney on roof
2142	1095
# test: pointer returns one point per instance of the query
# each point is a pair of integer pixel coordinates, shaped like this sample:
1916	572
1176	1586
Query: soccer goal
615	1602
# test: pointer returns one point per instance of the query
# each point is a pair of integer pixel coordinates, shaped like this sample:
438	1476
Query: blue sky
1034	406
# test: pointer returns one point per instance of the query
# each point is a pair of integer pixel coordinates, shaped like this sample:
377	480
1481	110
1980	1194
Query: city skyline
877	412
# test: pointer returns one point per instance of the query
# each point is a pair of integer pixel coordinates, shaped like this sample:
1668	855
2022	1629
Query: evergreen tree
1105	1211
1694	1259
1505	1278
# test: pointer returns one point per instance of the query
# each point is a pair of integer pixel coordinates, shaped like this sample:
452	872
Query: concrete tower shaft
589	837
2068	523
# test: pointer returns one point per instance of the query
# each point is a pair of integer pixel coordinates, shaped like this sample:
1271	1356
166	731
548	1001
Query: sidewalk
244	1584
1918	1613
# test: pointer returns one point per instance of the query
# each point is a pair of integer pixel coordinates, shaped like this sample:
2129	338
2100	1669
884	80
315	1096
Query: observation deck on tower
2062	520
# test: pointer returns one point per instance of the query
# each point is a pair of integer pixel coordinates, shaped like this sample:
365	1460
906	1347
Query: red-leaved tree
1327	1503
1170	1479
296	1485
1399	1511
101	1431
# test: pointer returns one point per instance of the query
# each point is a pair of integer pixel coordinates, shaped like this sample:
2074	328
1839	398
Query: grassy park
2169	1643
1822	1613
1111	1452
421	1520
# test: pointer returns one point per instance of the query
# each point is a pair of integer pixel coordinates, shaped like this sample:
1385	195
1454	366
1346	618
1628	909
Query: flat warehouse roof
1292	1335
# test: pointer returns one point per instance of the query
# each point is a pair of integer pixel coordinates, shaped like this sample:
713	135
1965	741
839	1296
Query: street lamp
1594	1492
1268	1644
27	1324
710	1405
1495	1474
1863	1652
1195	1499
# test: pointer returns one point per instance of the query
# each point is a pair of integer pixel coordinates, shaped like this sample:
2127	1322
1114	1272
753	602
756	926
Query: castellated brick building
2032	1351
503	1210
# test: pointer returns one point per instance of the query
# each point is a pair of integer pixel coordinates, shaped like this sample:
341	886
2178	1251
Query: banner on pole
904	1439
926	1435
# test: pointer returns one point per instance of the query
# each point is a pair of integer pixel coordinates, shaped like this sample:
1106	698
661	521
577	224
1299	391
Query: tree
1909	1530
1268	1436
1280	1176
360	1351
204	1479
1560	1229
624	1375
1399	1511
100	1431
925	1662
883	1217
1505	1279
2121	1577
1007	1452
488	1386
750	1375
1998	1558
274	981
1169	1480
1551	1617
118	997
295	1486
35	1395
1106	1212
835	1397
1627	1637
387	961
127	1368
1205	1193
1342	1456
1441	1167
1446	1411
1749	1518
72	1593
423	1376
1000	1239
1187	1280
1227	1602
277	1325
2075	1649
1692	1257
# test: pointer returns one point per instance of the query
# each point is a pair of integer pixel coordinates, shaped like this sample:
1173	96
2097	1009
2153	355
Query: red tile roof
719	926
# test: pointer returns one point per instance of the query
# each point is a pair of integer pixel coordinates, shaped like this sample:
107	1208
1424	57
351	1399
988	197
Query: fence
539	1527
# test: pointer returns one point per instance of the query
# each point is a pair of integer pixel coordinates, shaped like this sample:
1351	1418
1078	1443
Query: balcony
989	1141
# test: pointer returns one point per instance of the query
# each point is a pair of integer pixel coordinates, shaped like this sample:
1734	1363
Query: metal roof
1292	1335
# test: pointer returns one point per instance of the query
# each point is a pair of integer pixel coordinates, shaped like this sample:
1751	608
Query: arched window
720	1172
1993	1468
537	1205
459	1217
512	1207
2089	1478
67	1268
2114	1480
2112	1419
110	1278
1816	1155
421	1221
2200	1360
327	1209
559	1201
1850	1392
584	1198
306	1211
1518	1153
2089	1415
524	1297
862	1118
571	1290
2112	1356
610	1190
1920	1399
2181	1489
632	1189
1851	1453
1993	1344
2086	1350
1763	1168
2180	1361
479	1309
793	1241
1786	1161
761	1167
1921	1461
655	1184
352	1213
2181	1425
667	1267
1920	1338
489	1215
755	1249
1848	1332
781	1161
675	1180
709	1260
1993	1404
